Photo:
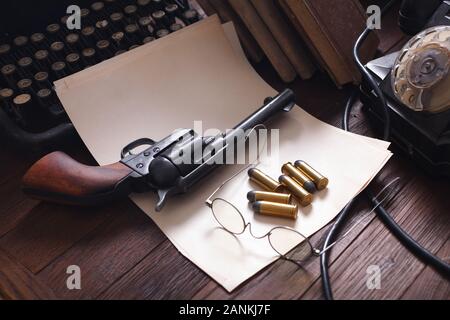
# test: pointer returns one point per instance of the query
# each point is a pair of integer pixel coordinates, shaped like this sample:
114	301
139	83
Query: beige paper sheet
201	74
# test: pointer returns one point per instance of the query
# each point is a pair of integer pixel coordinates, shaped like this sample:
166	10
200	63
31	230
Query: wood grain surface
123	255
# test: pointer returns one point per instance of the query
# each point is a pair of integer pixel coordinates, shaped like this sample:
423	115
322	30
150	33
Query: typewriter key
131	14
57	51
133	47
98	10
6	97
131	33
119	41
89	57
145	24
161	20
88	36
5	51
103	29
162	33
118	22
41	80
97	7
118	53
24	108
25	86
39	41
73	41
74	63
172	11
190	16
20	46
48	101
59	70
20	41
148	40
111	6
42	59
157	5
304	197
104	49
10	75
54	32
175	27
86	18
26	67
144	7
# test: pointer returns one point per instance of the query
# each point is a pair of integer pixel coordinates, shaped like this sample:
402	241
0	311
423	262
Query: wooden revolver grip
59	178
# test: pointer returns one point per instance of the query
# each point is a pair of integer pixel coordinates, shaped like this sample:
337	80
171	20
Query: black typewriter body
37	48
423	137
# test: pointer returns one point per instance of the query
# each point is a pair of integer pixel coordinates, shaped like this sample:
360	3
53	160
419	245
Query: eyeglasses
283	240
288	243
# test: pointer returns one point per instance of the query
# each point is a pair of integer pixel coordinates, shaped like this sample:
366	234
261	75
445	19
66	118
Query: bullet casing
264	181
301	178
274	209
304	197
254	196
6	97
320	181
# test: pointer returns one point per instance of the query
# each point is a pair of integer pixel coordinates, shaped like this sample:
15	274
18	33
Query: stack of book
299	37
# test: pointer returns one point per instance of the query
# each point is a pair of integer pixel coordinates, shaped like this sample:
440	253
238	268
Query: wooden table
123	254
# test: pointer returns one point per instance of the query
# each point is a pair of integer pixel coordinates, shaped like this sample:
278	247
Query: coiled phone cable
412	245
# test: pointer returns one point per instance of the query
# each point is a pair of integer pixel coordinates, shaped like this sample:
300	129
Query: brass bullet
304	197
254	196
264	181
301	178
319	180
274	209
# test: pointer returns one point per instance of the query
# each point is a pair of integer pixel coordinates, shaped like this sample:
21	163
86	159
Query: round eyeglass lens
289	243
228	216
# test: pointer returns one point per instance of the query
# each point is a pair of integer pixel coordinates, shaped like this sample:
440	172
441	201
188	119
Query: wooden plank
49	230
422	211
14	204
15	214
429	284
106	254
163	274
16	282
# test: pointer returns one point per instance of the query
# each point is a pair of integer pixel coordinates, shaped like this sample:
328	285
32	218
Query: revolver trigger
162	198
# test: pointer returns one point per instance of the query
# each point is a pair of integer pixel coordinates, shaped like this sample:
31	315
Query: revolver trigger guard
133	145
163	195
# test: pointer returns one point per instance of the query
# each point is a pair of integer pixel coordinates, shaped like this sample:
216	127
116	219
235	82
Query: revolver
160	167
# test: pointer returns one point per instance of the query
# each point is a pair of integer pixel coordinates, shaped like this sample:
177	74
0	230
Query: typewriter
38	46
416	89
